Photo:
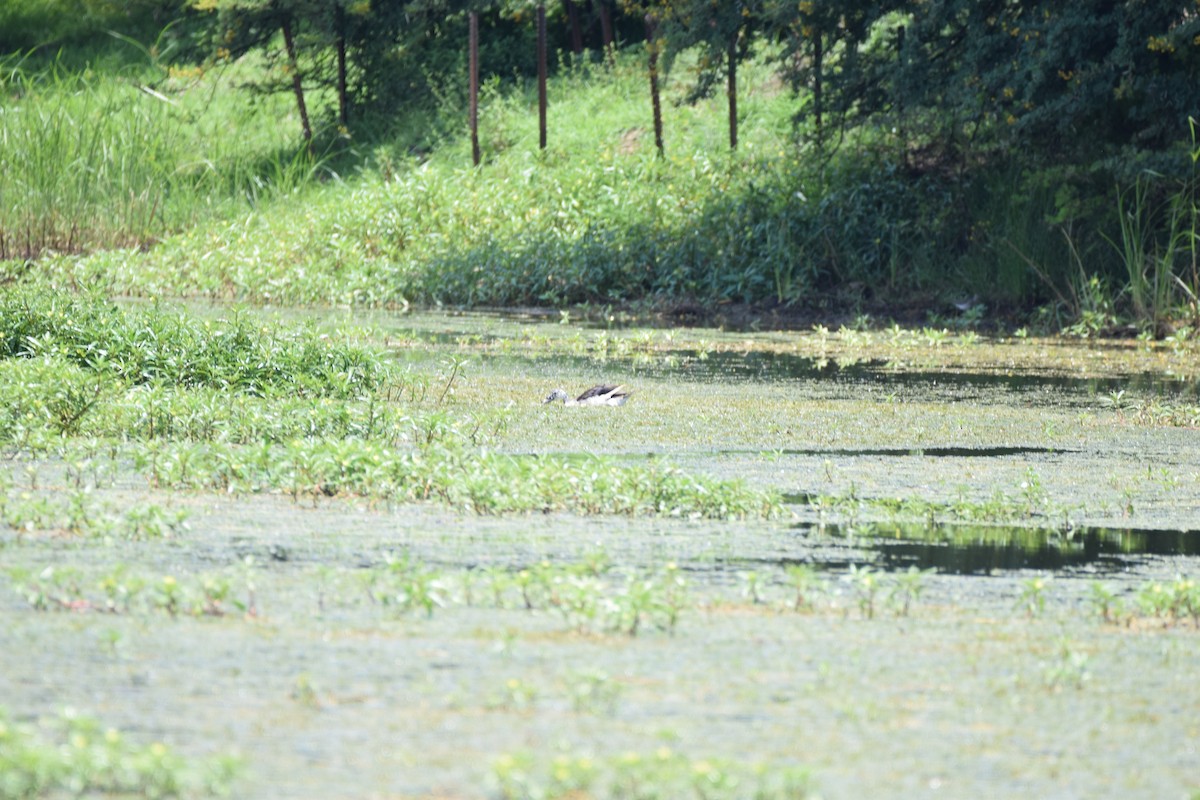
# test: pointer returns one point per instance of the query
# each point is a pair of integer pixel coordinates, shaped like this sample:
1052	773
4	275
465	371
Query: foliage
76	756
29	24
907	186
1029	75
481	481
234	405
661	774
120	157
1033	595
119	592
78	512
154	346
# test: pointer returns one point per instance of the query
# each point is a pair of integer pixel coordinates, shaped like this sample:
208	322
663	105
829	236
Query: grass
596	217
235	405
169	183
471	479
660	774
121	156
155	346
144	178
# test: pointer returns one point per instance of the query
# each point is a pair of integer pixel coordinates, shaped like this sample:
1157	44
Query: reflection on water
775	368
974	549
769	367
634	358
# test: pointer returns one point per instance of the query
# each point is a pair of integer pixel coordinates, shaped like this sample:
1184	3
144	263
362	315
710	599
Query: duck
602	394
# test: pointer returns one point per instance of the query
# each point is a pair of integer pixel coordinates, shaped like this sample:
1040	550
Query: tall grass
220	195
101	160
156	346
1158	245
597	217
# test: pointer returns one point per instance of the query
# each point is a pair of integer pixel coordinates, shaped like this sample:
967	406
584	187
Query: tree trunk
289	42
339	22
541	66
655	101
576	30
731	91
606	30
818	59
473	88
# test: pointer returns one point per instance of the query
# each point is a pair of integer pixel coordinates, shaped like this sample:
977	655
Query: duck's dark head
559	395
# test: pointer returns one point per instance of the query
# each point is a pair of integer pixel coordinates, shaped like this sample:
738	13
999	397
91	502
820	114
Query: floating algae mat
971	548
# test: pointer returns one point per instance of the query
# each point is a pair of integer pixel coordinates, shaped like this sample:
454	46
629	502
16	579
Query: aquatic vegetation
1030	501
1069	669
806	582
403	585
1172	601
1156	411
663	774
477	480
906	589
151	345
237	406
78	512
75	756
1105	602
590	600
865	583
1032	599
305	692
119	592
515	695
593	691
752	587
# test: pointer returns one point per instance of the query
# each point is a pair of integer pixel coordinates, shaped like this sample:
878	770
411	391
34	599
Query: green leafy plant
1032	599
806	582
660	775
866	584
405	585
1108	606
1171	602
906	589
75	756
1070	669
593	691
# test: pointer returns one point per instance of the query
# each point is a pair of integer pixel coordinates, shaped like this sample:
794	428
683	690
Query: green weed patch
661	774
471	479
75	756
154	345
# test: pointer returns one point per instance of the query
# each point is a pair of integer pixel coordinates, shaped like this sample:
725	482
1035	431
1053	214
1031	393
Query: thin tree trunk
901	128
541	66
339	22
297	87
606	30
731	91
473	89
576	30
655	102
818	63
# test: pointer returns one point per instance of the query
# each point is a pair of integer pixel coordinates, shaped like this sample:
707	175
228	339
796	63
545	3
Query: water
975	549
1042	385
773	368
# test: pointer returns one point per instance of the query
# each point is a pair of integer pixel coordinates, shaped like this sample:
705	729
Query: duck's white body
604	394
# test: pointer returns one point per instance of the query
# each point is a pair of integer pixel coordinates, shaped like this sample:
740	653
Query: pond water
960	431
334	688
772	367
977	550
